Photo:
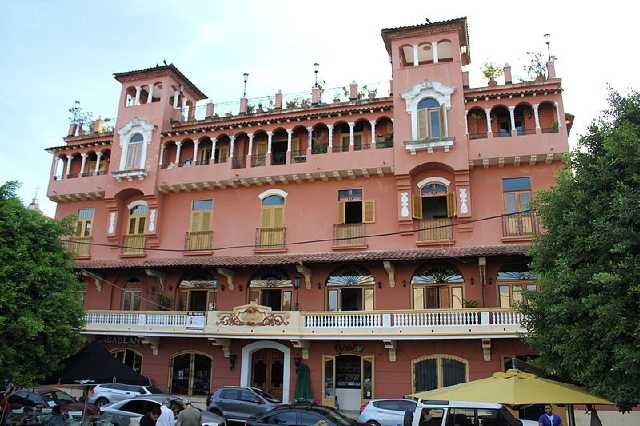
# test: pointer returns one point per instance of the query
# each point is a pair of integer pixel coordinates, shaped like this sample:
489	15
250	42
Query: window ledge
351	247
517	239
429	145
199	253
82	257
270	250
132	255
129	175
435	243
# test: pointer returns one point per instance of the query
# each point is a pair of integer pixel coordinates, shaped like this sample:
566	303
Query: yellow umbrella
514	388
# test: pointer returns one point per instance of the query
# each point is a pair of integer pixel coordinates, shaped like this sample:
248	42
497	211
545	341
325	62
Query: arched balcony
500	121
222	149
320	139
299	144
549	117
361	135
384	132
477	123
524	119
445	51
203	152
186	153
240	150
279	146
259	149
341	137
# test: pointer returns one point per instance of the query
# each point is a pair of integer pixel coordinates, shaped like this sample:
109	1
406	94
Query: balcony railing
550	129
299	156
156	320
78	246
439	229
522	131
258	160
349	234
239	162
479	135
320	148
340	148
385	142
278	158
523	224
200	240
270	238
133	244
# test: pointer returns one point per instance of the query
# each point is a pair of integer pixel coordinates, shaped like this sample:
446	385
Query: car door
391	412
133	409
281	418
309	418
251	404
230	404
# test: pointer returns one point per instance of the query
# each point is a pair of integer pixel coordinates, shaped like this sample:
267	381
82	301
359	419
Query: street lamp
316	68
245	77
547	41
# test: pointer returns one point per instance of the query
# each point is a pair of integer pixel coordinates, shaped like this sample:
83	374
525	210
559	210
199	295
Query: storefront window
190	374
436	371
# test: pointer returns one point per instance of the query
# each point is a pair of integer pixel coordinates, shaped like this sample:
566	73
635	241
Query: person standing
548	418
151	417
57	418
166	416
190	416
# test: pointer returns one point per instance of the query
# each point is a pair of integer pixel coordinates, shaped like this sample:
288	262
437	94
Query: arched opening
514	279
157	92
384	132
350	288
129	357
435	207
437	371
341	137
203	156
477	123
274	368
197	292
130	96
60	167
548	117
260	147
134	239
223	146
272	288
240	151
74	166
133	159
430	119
445	51
105	161
279	142
425	53
186	153
437	285
406	54
132	295
320	139
361	135
500	121
90	164
190	374
144	94
524	119
168	160
299	141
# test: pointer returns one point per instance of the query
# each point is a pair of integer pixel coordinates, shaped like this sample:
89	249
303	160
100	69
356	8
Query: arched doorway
273	362
190	374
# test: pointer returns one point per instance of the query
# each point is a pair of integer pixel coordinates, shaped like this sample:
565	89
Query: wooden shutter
368	299
341	213
418	298
205	220
451	204
286	301
265	217
443	111
369	209
196	219
278	217
295	145
422	123
444	297
417	206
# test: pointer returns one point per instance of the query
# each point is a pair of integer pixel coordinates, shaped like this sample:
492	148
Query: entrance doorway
348	381
267	371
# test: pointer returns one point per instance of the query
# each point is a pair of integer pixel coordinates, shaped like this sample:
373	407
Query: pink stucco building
376	233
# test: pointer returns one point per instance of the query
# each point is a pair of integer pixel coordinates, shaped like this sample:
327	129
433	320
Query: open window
200	235
271	288
132	295
430	119
198	293
437	286
134	152
435	205
514	278
350	289
353	209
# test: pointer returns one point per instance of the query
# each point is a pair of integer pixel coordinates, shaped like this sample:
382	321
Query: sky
53	53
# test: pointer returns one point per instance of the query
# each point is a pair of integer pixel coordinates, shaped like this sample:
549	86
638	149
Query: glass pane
516	184
135	303
524	200
87	229
367	378
461	416
425	375
328	379
456	297
516	291
141	225
428	103
434	117
504	296
510	202
201	374
286	301
180	374
333	300
85	213
453	372
532	287
273	200
202	205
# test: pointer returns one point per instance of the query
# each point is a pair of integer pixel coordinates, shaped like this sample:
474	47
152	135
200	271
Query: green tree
585	321
40	302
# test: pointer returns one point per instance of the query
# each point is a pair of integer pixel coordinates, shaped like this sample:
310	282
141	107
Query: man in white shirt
166	416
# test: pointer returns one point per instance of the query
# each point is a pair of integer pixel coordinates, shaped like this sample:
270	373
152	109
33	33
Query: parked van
461	413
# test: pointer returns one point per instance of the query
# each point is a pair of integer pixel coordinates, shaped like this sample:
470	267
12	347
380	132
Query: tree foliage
40	301
585	321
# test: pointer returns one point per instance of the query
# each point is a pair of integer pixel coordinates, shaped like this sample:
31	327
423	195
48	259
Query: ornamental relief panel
253	315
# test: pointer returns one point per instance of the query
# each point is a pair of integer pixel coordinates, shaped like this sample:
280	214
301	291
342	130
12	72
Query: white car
462	413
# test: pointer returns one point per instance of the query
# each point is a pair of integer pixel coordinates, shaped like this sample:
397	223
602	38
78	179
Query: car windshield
265	395
63	397
337	417
506	415
155	389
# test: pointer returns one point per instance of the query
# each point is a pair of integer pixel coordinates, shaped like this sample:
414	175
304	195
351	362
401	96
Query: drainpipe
482	265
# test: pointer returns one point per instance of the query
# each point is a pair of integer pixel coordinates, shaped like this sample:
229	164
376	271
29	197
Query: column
466	122
310	139
161	160
558	115
138	91
176	94
373	133
69	157
289	136
250	153
99	157
434	50
54	167
415	55
196	144
487	112
535	116
232	148
213	149
267	159
150	94
513	120
179	145
351	126
330	147
83	162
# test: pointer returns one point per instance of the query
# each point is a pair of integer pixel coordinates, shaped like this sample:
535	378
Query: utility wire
319	240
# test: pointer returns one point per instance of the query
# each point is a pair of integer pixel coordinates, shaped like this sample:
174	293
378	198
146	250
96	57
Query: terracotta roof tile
159	68
291	259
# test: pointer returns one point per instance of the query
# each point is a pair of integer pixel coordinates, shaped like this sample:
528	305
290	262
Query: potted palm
491	71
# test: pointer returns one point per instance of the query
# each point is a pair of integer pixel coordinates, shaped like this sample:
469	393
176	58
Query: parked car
123	412
240	403
47	397
302	415
112	392
461	413
386	412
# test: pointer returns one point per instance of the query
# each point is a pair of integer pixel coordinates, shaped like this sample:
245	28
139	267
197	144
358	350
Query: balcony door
437	285
134	238
434	206
272	222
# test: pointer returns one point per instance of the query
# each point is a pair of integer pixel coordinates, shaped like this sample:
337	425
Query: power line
314	241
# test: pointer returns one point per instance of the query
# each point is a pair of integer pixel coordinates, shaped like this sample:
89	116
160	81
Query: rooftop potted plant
491	71
536	68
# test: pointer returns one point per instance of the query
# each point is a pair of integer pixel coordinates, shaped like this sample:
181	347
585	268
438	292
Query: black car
302	415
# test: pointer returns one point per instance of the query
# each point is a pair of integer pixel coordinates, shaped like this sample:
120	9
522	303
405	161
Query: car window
230	394
309	418
109	386
431	417
486	417
265	395
395	405
138	406
282	418
335	416
154	389
249	396
63	397
461	417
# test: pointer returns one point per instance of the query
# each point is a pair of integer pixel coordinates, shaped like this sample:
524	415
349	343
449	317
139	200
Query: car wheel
373	423
101	402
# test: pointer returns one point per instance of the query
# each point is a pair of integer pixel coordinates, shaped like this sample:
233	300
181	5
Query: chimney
210	110
72	129
507	74
244	104
98	125
465	79
353	91
551	70
315	95
279	100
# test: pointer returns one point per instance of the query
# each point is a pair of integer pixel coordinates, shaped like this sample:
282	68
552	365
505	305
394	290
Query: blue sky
53	53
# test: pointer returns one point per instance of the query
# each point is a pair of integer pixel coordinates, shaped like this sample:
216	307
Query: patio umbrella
514	387
303	383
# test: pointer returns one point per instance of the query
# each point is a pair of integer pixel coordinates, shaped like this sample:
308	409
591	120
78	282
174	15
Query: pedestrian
594	420
151	417
57	418
548	418
190	416
166	415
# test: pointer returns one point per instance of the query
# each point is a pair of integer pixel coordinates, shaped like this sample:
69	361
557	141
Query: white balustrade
159	319
355	320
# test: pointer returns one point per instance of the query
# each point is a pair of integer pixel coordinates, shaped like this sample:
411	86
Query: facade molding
135	125
272	191
433	179
247	357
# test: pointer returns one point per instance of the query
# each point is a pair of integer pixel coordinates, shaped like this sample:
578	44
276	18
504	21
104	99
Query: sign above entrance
120	340
348	347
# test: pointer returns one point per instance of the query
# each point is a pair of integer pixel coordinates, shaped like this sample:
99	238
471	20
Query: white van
461	413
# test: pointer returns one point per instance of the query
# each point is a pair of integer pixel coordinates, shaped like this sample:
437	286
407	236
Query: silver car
386	412
113	392
240	403
133	409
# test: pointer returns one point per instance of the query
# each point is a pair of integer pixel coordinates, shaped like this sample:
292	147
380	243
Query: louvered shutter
341	214
422	123
369	207
451	204
265	217
205	220
278	217
417	206
195	221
